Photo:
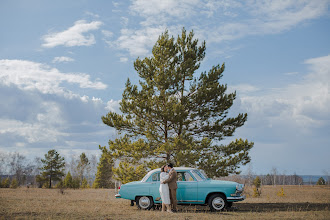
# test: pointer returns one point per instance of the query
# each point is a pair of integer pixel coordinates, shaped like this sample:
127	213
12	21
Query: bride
164	190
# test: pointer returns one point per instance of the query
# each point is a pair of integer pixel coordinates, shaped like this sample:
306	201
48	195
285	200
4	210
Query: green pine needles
174	116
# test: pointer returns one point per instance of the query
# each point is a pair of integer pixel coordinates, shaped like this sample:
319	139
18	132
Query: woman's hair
162	169
170	165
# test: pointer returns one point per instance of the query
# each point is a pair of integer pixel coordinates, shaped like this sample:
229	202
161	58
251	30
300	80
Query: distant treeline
86	171
16	170
271	179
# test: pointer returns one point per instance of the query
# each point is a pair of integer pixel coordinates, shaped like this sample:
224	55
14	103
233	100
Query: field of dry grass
304	202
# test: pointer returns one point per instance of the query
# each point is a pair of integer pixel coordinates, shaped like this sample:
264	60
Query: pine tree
68	181
14	184
6	183
76	183
53	167
320	181
173	116
257	182
125	172
84	184
104	173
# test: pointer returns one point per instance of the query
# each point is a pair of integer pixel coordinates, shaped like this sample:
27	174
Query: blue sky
63	64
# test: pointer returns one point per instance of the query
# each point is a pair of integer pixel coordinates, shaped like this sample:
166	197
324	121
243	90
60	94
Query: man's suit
172	185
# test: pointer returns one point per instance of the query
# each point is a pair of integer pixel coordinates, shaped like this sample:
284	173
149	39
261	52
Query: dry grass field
306	202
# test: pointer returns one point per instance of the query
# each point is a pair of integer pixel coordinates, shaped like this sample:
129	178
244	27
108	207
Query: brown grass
298	203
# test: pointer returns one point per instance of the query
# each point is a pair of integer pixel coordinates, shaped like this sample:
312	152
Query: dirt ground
294	203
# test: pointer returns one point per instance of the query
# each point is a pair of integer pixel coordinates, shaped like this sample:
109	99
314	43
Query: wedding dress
163	189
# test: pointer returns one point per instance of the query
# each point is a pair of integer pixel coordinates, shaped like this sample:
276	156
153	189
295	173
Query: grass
303	202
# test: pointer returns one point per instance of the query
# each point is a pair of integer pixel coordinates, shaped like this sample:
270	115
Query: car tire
144	202
217	203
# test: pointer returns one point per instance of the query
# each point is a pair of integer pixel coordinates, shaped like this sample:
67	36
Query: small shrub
256	192
45	185
281	193
59	185
84	184
257	182
6	183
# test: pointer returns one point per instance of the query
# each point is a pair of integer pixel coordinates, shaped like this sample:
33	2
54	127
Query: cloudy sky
63	64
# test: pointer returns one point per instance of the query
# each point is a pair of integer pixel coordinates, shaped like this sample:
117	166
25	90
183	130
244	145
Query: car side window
180	176
155	177
188	177
185	176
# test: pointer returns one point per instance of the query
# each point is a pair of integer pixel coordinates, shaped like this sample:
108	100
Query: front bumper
236	198
118	196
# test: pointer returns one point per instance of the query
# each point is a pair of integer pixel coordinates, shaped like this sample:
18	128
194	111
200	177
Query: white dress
163	189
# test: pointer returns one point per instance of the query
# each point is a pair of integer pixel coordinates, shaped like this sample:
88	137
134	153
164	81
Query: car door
154	182
187	188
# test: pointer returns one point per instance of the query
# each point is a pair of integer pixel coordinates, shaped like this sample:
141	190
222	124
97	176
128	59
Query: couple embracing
168	186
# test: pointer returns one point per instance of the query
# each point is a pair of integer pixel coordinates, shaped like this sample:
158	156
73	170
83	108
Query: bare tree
274	175
18	165
327	176
92	168
250	175
72	166
3	163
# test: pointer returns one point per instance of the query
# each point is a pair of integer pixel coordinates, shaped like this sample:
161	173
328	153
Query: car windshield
146	176
199	175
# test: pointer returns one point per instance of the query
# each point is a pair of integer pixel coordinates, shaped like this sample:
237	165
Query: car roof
177	168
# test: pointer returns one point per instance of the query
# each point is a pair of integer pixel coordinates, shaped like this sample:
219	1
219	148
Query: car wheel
144	202
217	202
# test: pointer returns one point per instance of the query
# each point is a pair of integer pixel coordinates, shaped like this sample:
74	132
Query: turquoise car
193	188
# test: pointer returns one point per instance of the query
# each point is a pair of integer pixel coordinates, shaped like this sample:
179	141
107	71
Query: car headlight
239	188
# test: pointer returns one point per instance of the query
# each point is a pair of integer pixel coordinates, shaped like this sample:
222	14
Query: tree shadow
271	207
260	207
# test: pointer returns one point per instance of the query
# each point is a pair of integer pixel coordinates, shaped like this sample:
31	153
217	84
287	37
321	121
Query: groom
171	181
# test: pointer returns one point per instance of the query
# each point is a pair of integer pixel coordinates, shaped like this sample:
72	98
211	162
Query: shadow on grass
260	207
271	207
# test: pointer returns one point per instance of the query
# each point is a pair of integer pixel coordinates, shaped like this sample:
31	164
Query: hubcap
218	203
144	202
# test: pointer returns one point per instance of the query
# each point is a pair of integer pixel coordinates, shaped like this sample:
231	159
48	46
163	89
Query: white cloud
138	42
74	36
107	33
92	14
124	21
213	20
62	59
158	11
44	121
113	106
31	132
243	88
28	75
304	105
123	59
268	17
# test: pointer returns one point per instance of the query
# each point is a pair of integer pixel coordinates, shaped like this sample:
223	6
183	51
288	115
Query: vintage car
193	188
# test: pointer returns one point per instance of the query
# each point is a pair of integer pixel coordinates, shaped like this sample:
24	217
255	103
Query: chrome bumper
238	198
118	196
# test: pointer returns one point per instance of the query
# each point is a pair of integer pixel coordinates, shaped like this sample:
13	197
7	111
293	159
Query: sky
64	64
